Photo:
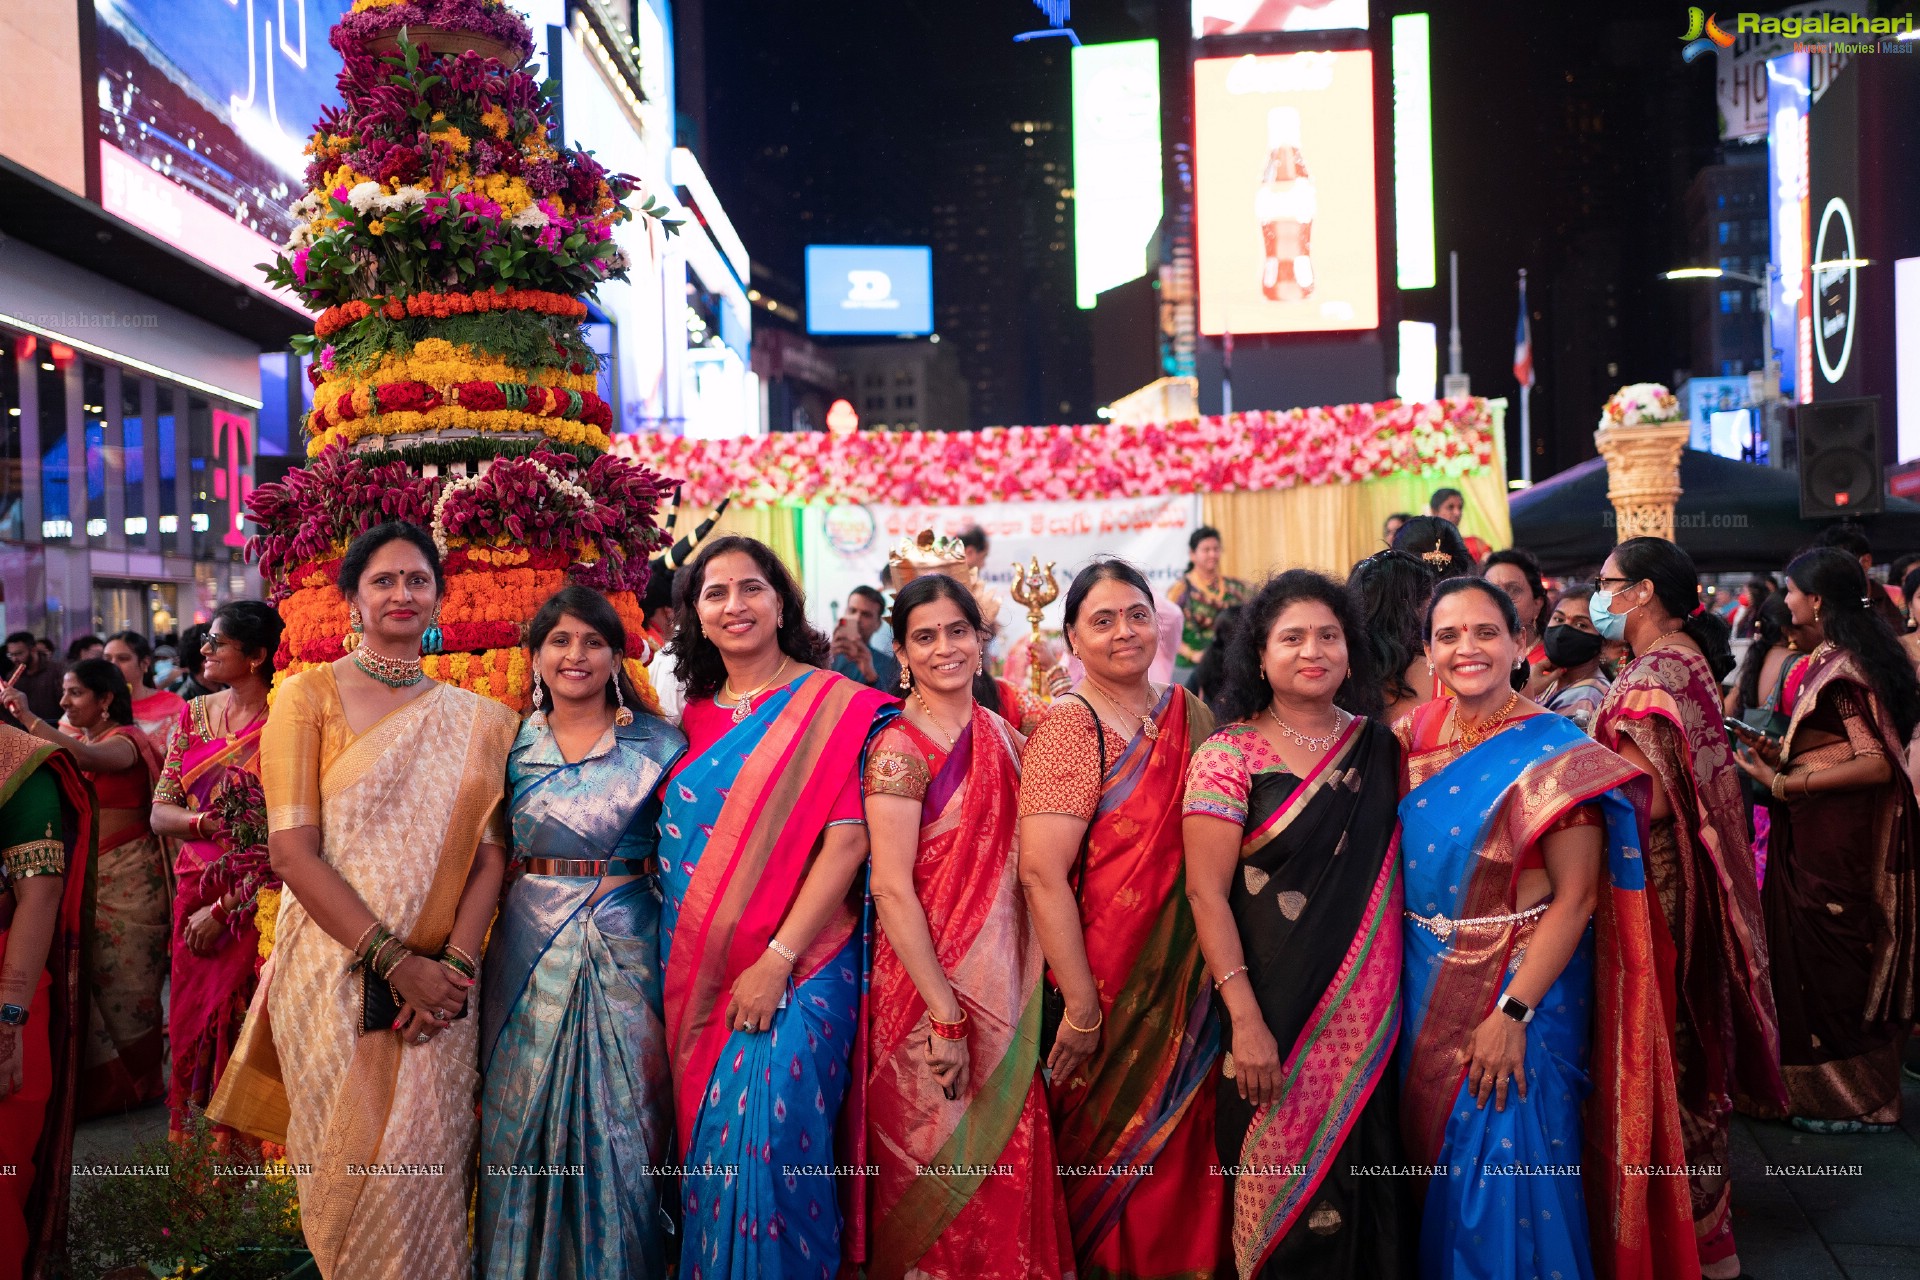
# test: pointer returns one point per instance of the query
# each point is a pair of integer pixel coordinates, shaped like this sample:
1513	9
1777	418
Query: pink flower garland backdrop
1243	452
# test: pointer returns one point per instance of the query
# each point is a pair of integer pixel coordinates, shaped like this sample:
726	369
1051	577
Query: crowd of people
1430	922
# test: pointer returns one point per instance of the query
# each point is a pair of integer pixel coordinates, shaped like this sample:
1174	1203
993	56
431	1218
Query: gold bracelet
1806	783
1101	1021
1777	786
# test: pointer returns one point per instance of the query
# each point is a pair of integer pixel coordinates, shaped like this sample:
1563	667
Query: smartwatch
12	1015
1520	1013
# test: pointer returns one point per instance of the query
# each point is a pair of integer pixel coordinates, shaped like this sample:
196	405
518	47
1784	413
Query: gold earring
906	676
539	717
355	626
622	716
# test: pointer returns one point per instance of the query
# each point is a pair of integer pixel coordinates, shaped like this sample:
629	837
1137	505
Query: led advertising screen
202	110
869	288
1117	196
1245	17
1284	192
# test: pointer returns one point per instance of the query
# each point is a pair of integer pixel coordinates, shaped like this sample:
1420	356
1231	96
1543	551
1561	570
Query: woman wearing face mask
1838	899
953	1078
1529	974
1133	1067
572	1048
1763	695
1663	716
1569	680
1294	877
360	1052
126	936
156	711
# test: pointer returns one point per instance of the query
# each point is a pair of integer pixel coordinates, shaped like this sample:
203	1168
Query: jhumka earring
906	676
431	641
621	716
539	717
355	626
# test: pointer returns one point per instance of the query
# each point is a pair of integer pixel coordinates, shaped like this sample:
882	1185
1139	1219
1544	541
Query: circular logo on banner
850	529
1836	290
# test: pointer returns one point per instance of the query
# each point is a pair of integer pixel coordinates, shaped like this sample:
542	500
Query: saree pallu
37	1119
1532	1190
1134	1126
1726	1033
967	1187
1841	912
381	1134
1318	904
209	994
755	1112
576	1118
127	942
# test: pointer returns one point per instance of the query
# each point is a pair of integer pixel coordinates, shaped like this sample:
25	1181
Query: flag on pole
1523	341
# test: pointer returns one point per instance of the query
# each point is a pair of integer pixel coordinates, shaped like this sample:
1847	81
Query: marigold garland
421	305
452	417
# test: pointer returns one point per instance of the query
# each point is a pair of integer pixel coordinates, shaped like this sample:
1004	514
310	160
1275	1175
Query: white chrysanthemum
618	261
301	236
408	197
363	196
531	218
308	207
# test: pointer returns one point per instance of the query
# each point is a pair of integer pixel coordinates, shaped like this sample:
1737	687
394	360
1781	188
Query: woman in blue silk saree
1566	1179
762	843
576	1107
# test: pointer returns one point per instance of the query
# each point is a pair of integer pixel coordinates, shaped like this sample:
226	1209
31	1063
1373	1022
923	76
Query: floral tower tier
447	241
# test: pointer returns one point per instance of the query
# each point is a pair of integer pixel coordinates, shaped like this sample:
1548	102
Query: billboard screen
1284	190
1790	325
869	288
1117	197
202	110
1245	17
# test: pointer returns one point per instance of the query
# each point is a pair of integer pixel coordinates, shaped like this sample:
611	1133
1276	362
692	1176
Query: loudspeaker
1840	468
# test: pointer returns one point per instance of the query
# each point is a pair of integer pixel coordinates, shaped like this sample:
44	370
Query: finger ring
421	1038
440	1015
752	1026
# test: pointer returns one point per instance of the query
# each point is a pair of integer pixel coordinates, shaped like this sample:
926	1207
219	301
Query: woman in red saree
1133	1069
956	1110
126	933
1663	716
212	769
1839	899
46	851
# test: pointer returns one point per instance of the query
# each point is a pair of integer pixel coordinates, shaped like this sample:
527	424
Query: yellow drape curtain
778	527
1329	527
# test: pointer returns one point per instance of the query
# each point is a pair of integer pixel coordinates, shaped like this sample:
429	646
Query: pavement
1805	1207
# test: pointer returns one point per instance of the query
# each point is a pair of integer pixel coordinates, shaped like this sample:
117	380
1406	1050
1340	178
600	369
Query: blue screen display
871	288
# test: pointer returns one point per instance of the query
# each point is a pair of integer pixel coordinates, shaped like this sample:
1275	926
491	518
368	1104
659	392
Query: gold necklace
1468	736
743	702
953	740
395	673
1147	726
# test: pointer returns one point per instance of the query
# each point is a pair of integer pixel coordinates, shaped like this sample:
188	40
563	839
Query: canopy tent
1731	516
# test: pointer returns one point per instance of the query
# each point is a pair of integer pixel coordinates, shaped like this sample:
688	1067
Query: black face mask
1571	647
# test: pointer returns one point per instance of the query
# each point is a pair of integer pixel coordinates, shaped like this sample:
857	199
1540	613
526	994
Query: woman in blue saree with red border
1578	1169
763	942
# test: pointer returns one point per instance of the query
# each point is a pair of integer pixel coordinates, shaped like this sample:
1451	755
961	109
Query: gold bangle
1777	786
1806	783
1099	1022
458	953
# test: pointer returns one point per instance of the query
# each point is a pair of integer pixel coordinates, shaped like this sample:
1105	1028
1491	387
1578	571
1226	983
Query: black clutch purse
380	1007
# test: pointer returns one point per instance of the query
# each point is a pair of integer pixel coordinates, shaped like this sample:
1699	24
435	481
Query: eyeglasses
211	642
1600	584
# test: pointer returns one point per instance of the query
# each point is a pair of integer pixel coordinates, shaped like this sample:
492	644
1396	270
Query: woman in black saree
1293	871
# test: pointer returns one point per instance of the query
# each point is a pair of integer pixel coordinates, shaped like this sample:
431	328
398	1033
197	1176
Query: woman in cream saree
385	829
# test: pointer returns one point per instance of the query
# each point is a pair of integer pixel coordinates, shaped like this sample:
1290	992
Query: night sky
1563	143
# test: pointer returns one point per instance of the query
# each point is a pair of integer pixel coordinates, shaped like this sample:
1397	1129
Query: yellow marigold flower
496	121
377	226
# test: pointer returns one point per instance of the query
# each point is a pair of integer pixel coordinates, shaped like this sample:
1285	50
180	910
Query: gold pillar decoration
1642	438
1035	588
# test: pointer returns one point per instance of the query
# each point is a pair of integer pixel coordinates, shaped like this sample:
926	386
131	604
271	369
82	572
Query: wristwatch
1520	1013
13	1015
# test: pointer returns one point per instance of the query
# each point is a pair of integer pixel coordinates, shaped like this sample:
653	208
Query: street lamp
1769	387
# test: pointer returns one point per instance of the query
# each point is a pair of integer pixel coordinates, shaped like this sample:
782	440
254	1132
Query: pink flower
300	269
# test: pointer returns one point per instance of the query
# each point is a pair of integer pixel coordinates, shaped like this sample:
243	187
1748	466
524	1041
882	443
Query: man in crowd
974	539
84	647
41	679
854	654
